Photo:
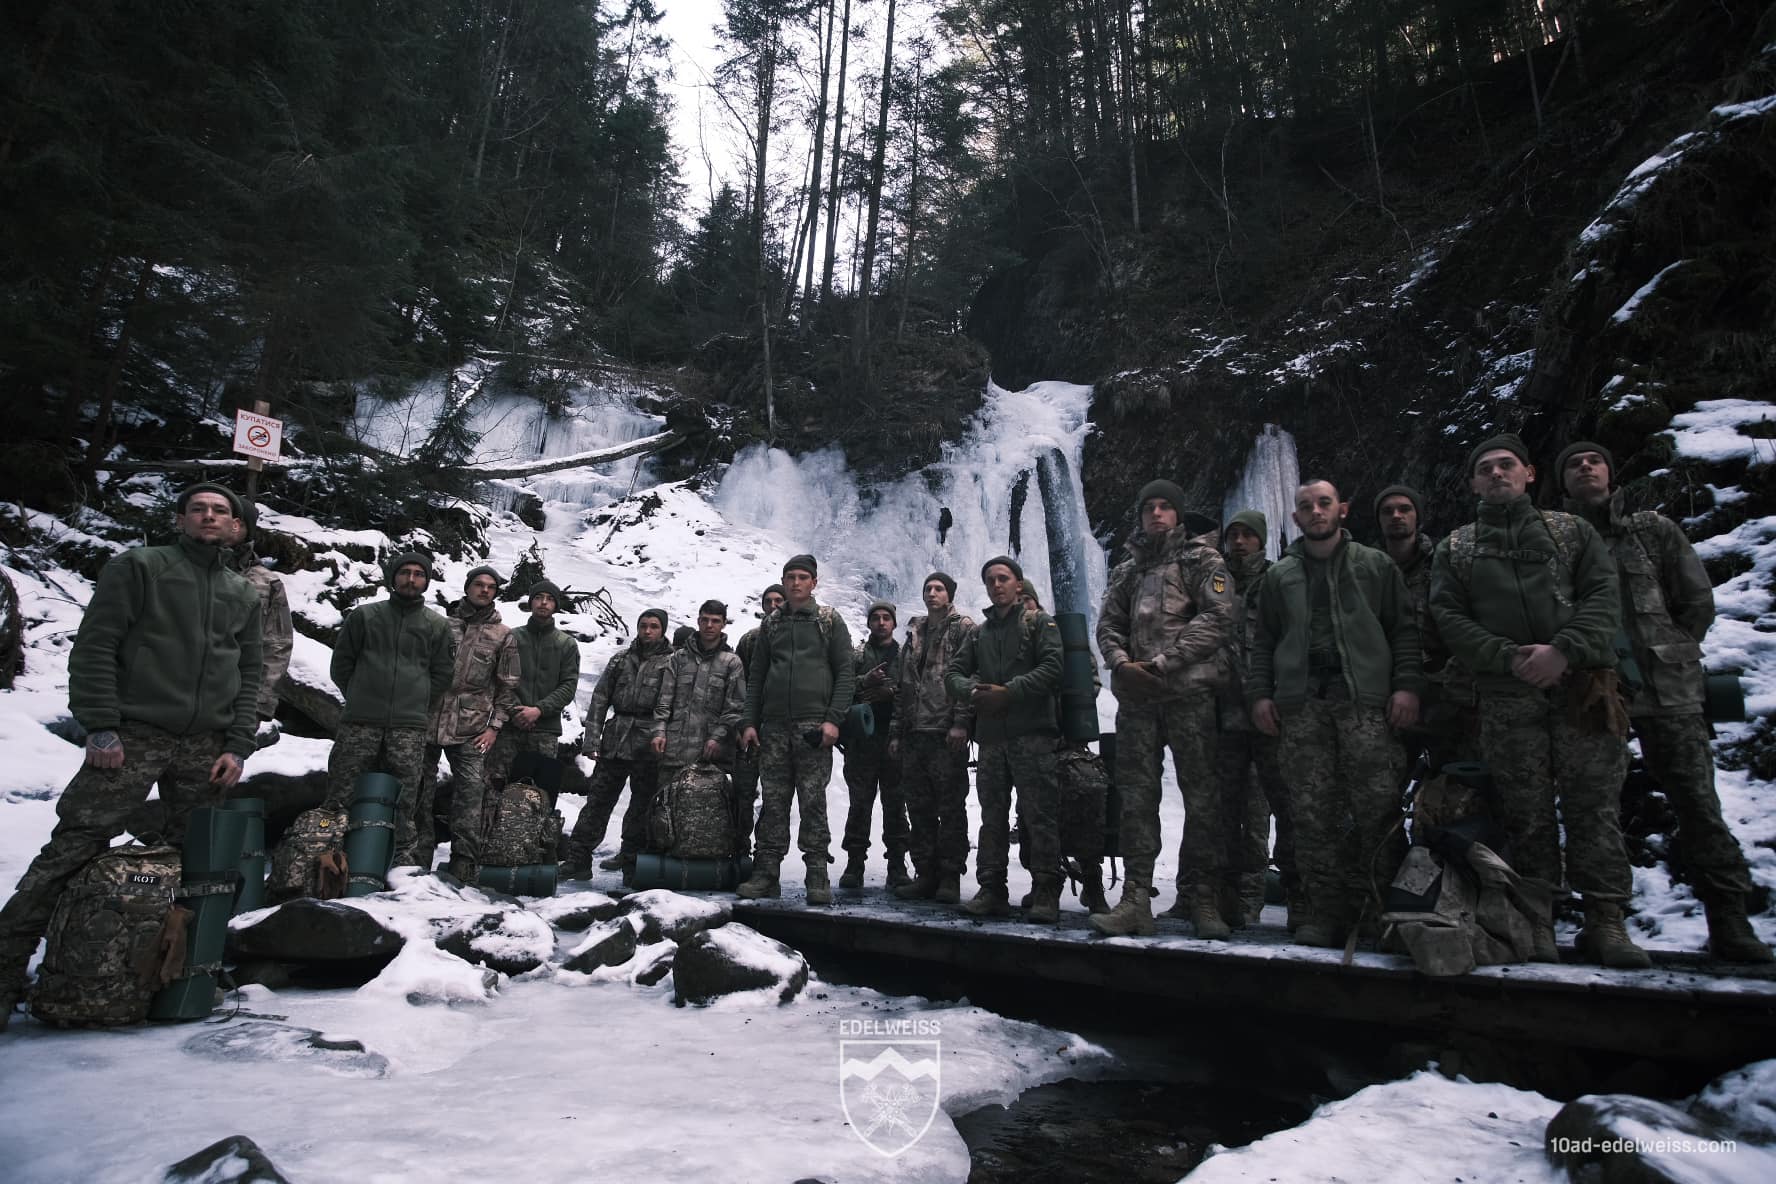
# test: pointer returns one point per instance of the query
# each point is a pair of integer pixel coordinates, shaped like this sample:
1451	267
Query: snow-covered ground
555	1075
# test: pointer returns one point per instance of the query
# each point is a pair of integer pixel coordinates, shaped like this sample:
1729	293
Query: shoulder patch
1218	581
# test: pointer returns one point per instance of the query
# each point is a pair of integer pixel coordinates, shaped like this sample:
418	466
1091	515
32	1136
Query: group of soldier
1534	639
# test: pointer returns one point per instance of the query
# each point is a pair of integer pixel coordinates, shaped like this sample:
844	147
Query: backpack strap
1563	528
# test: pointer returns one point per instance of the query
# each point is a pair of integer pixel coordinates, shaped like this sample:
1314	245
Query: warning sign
258	435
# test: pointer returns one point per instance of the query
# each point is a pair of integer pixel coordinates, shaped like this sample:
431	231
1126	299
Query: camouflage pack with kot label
116	938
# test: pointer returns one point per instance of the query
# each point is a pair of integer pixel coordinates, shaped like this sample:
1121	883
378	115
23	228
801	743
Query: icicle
1268	484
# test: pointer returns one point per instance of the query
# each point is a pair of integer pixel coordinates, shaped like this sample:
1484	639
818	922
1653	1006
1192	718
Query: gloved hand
991	701
1136	682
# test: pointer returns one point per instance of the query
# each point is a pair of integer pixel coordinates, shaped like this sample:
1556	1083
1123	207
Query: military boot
461	867
1605	940
1730	937
1542	935
921	887
852	879
762	884
1251	900
819	887
1180	910
897	872
1133	914
1045	905
1320	932
949	888
1091	889
613	864
991	901
1206	918
574	869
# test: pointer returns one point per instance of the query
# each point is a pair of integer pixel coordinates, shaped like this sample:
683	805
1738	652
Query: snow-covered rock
1624	1139
313	931
609	943
671	916
733	961
511	942
423	974
576	911
234	1160
272	1042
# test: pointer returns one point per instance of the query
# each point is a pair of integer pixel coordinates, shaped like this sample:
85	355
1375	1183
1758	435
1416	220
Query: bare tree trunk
765	90
912	217
878	166
97	447
813	223
832	193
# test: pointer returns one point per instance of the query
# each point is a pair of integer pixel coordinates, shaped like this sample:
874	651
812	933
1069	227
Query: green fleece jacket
1021	652
548	671
795	675
171	638
1518	592
1373	627
394	660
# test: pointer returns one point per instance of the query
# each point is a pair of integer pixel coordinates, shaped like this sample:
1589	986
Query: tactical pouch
1594	703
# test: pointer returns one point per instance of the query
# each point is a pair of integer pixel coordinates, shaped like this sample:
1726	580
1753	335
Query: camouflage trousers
1143	733
1537	758
399	752
643	778
934	783
468	786
791	771
92	811
869	772
513	741
1027	765
1248	771
1679	753
746	793
1342	766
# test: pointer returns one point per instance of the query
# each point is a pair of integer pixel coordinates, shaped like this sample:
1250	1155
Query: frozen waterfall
1268	483
887	537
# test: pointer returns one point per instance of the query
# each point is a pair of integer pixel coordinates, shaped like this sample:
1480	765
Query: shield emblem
1218	582
889	1090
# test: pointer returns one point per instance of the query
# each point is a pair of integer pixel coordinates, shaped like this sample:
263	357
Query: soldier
548	680
929	736
1246	762
701	697
746	765
1527	600
1009	672
276	635
1446	722
869	766
1667	607
629	689
483	695
798	689
1166	616
393	660
164	677
1334	666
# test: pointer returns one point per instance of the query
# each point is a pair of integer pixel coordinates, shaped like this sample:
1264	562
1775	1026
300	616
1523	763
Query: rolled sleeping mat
1725	699
1079	692
1473	774
209	881
252	860
370	833
530	879
860	723
653	870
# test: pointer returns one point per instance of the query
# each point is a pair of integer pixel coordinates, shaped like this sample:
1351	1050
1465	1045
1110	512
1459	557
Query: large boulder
663	915
347	941
234	1160
576	911
610	943
1625	1139
511	942
712	963
1743	1102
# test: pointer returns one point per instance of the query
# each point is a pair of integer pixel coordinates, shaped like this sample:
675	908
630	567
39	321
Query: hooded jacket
393	659
1372	627
548	671
922	704
1170	603
1517	591
1667	603
629	689
484	685
701	696
171	639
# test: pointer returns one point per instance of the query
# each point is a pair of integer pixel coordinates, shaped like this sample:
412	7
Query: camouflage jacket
1248	581
748	642
1417	574
276	634
880	697
701	695
1170	603
1667	604
922	704
483	690
629	689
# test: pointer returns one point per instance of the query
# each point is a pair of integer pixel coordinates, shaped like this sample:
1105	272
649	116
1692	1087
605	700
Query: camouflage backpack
518	826
1085	790
692	816
301	865
113	933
